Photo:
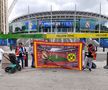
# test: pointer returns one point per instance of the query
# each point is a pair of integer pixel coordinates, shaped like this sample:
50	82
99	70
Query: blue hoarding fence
5	42
104	42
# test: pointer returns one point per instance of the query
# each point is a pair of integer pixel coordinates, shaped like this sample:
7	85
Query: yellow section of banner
78	35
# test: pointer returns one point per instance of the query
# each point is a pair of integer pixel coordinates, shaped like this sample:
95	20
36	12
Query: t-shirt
1	53
31	49
21	51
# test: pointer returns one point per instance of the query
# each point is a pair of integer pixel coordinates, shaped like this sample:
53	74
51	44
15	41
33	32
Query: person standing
1	54
32	55
21	52
89	57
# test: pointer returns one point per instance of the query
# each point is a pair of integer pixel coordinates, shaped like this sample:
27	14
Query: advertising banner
3	42
64	55
104	42
87	24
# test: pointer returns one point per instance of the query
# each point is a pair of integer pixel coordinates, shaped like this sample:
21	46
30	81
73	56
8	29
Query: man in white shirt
1	57
1	54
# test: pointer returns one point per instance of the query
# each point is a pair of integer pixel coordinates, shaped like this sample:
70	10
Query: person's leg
18	59
90	63
85	62
22	60
0	68
32	65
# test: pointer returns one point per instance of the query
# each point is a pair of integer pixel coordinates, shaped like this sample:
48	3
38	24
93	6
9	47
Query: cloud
21	6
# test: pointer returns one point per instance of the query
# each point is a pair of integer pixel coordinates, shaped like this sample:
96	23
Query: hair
20	43
90	45
31	43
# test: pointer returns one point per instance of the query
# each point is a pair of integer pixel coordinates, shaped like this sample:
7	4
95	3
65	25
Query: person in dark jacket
21	54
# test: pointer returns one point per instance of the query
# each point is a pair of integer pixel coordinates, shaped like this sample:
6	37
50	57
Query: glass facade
57	25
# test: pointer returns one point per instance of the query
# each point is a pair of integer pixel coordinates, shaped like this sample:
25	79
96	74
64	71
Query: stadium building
61	21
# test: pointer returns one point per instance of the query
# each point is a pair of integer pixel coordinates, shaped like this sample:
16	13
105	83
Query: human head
90	45
20	44
31	44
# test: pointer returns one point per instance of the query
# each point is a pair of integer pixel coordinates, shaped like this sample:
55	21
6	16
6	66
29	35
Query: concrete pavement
56	79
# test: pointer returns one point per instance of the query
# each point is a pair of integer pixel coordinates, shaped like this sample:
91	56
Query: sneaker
83	68
90	69
33	66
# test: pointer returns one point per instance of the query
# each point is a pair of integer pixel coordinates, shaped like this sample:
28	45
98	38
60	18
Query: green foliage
17	29
23	28
5	36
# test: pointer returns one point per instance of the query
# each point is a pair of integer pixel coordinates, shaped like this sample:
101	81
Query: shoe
90	69
33	66
83	68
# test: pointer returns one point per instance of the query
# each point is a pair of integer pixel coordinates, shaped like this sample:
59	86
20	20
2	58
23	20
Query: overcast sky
21	7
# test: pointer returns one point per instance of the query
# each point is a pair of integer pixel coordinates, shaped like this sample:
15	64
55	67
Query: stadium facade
61	21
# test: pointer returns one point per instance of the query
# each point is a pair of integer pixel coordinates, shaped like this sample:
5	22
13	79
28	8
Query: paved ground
57	79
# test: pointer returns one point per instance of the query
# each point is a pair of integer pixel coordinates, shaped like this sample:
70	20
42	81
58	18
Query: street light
51	21
29	23
99	21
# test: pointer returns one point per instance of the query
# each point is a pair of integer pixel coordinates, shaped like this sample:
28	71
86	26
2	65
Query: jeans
22	60
32	60
88	60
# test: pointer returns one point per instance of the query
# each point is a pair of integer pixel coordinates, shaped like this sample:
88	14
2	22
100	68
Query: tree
101	27
17	29
23	28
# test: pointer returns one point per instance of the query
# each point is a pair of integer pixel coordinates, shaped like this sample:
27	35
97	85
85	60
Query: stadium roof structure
60	15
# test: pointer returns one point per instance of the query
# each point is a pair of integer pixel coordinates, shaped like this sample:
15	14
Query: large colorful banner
64	55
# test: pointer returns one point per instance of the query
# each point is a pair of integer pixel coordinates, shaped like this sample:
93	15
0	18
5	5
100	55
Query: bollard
103	49
106	67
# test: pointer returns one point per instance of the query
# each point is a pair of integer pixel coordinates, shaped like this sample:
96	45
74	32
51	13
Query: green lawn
56	58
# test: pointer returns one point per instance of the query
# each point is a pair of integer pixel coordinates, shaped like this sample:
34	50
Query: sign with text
78	35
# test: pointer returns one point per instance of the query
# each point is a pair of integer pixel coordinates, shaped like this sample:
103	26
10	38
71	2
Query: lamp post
51	22
29	23
99	21
74	22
